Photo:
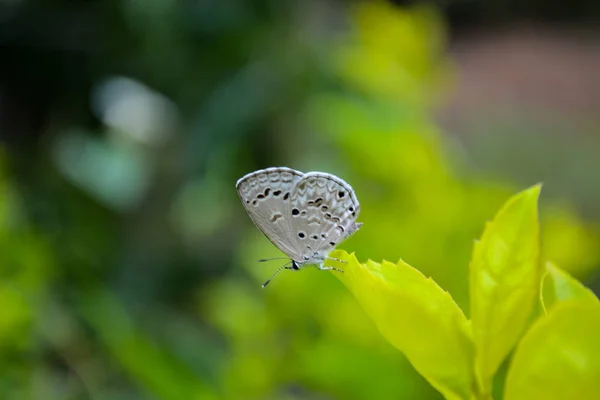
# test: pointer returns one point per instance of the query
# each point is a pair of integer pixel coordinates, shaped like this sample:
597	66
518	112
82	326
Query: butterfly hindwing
324	210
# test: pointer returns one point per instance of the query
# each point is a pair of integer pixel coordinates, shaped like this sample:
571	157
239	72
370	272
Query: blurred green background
127	264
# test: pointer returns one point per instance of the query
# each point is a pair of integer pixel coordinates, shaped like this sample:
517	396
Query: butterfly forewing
267	195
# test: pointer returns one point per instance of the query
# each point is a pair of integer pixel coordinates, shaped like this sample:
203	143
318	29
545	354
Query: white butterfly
305	215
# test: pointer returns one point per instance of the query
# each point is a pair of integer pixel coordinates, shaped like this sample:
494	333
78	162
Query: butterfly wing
266	194
323	212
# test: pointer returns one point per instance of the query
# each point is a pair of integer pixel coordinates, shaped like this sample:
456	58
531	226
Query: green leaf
504	282
153	369
418	318
559	286
559	357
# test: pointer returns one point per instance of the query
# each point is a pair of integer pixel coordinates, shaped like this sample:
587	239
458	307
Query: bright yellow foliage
504	282
559	356
556	359
417	317
558	286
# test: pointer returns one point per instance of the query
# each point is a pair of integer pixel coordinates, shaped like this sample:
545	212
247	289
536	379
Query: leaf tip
534	191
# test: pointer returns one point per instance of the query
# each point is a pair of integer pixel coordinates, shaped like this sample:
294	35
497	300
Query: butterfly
305	215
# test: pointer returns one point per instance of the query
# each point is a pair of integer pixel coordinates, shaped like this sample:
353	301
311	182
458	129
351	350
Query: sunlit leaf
504	282
417	317
559	286
559	357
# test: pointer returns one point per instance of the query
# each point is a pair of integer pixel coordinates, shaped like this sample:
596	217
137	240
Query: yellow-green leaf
559	357
504	282
417	317
559	286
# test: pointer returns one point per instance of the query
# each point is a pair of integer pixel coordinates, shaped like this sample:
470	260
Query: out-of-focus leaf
395	377
395	51
569	241
15	318
504	281
156	371
125	175
417	317
559	286
559	357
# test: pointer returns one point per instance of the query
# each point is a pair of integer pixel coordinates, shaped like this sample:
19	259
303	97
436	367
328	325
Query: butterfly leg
322	268
337	259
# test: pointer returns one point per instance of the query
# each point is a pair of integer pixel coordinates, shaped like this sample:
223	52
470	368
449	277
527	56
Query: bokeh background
127	264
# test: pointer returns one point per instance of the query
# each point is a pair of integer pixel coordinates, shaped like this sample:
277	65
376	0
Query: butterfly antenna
271	259
284	266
